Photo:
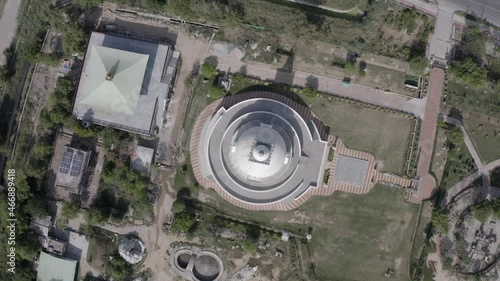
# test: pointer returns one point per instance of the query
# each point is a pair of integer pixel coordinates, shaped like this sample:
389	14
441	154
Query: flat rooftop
351	170
52	268
72	167
121	83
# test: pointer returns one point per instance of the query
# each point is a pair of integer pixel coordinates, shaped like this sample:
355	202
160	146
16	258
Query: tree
483	211
418	65
41	150
96	216
36	208
71	209
216	92
454	135
350	68
117	268
183	221
469	72
208	71
249	246
179	206
440	219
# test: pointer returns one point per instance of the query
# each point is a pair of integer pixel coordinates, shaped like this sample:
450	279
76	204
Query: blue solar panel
76	165
66	161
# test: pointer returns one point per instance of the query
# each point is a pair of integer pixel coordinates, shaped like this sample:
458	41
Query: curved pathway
482	170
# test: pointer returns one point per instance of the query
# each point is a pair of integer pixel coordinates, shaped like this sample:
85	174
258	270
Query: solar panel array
76	165
71	163
66	161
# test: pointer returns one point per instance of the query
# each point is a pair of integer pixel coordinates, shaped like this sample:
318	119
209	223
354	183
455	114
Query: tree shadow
456	113
243	70
184	194
212	60
312	82
253	231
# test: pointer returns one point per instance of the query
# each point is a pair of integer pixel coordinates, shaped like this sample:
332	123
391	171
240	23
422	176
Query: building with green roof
52	268
124	83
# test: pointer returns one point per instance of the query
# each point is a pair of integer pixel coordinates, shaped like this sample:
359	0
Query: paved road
8	24
486	9
327	84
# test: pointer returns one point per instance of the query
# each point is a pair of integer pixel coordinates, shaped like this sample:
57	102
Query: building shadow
285	74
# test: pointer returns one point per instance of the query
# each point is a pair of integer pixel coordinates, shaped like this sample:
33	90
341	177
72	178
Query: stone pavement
428	135
329	85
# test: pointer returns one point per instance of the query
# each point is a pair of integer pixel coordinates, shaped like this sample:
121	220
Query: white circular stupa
261	151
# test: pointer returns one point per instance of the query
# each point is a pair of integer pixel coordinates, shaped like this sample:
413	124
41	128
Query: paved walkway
328	85
483	171
428	135
8	24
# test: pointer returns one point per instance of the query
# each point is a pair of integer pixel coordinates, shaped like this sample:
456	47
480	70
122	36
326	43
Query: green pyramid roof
121	92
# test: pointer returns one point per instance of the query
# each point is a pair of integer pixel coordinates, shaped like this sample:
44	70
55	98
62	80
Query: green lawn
486	139
384	78
482	101
384	134
355	237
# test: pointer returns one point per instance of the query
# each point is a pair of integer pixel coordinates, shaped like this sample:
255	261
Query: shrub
350	68
469	72
183	221
418	65
178	207
70	210
208	71
361	73
249	246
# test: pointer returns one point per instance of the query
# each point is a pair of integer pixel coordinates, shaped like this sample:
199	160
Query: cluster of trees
469	72
59	107
486	209
453	134
439	219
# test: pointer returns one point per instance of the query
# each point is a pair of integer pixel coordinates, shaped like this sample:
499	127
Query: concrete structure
351	170
125	83
192	263
142	159
52	268
82	188
72	167
261	151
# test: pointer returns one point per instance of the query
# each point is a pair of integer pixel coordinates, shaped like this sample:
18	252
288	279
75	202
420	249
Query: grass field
486	139
384	78
346	228
482	101
384	134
